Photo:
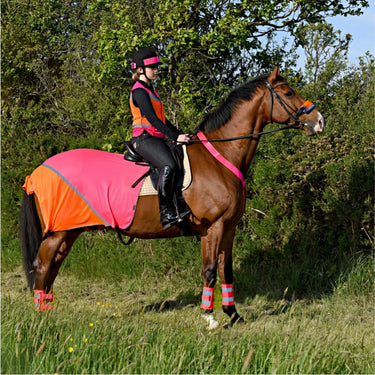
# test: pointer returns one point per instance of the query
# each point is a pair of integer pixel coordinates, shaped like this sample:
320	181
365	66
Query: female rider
150	128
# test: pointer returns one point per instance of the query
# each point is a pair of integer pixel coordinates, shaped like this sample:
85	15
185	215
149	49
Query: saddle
183	178
133	156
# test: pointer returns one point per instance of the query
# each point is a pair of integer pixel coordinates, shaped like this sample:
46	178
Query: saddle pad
148	187
84	187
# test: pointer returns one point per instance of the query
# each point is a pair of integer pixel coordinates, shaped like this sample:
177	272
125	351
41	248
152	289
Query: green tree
51	100
311	200
326	59
207	45
66	80
324	49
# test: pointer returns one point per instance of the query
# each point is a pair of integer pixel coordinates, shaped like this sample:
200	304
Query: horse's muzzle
315	127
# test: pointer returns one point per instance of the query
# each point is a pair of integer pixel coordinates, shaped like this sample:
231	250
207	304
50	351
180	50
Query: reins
293	126
306	107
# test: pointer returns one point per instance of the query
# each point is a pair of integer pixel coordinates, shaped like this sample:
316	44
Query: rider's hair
136	76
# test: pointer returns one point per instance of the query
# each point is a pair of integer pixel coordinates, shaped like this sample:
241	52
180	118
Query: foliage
207	45
65	84
301	253
49	83
311	201
326	59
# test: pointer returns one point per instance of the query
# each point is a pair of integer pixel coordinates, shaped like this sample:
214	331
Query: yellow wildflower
91	324
70	349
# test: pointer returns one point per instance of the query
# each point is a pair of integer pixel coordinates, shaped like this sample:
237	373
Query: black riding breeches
155	150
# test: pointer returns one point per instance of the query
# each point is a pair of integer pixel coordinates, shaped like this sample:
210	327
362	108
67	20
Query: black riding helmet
144	57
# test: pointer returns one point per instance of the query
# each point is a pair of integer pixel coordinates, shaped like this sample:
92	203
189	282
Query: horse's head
286	106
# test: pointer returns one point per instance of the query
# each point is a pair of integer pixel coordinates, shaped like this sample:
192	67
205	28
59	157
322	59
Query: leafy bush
310	206
66	85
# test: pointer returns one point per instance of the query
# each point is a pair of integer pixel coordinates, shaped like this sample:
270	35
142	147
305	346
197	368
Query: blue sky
362	29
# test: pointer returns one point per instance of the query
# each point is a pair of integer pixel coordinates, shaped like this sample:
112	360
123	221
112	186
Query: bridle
285	105
306	107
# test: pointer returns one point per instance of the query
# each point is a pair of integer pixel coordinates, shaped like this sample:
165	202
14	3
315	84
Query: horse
216	195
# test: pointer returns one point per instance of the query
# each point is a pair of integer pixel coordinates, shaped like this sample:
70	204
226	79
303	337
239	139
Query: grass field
150	323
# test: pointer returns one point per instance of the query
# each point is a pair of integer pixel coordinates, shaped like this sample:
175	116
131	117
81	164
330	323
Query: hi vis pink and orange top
140	123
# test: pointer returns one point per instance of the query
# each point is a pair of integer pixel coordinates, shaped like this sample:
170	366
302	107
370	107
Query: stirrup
179	219
182	216
170	223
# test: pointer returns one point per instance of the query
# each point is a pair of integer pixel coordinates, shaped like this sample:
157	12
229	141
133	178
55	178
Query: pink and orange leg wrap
207	298
227	293
42	300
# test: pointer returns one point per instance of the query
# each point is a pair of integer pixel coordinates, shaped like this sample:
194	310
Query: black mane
223	114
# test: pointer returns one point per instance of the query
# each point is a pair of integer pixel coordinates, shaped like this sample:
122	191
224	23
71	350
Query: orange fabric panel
62	208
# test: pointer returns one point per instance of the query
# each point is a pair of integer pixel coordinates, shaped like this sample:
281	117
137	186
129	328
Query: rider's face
152	71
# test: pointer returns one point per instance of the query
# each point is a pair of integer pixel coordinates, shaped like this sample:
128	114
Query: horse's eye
289	94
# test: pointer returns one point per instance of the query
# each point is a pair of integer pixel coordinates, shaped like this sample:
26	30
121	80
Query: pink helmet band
151	60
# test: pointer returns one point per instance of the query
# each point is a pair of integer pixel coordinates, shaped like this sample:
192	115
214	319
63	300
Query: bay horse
216	195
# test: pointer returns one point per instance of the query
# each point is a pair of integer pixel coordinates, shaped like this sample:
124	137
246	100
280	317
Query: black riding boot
168	216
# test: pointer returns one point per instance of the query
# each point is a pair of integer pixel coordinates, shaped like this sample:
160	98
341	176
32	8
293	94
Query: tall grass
150	323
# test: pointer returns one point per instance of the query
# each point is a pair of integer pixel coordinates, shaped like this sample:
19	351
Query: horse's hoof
240	320
236	320
212	323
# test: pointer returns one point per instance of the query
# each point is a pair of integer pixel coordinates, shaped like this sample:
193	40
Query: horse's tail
31	236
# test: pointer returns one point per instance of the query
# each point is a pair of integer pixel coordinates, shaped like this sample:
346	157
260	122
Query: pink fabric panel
103	180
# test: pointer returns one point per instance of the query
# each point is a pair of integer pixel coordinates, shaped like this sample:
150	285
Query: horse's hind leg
217	248
43	261
52	252
60	255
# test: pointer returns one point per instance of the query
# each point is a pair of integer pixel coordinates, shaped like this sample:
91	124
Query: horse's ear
273	76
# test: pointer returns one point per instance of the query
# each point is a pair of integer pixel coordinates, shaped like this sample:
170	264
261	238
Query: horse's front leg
226	277
217	248
210	244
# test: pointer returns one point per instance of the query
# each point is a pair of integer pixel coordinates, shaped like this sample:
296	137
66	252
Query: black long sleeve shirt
143	102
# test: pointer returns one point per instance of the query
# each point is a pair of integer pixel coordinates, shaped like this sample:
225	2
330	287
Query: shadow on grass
307	274
180	302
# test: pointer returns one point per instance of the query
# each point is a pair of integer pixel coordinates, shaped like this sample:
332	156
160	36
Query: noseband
306	107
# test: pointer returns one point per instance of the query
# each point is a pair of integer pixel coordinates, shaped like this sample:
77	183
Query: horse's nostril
321	123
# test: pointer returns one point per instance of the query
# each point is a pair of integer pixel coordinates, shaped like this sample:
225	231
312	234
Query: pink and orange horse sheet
84	187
